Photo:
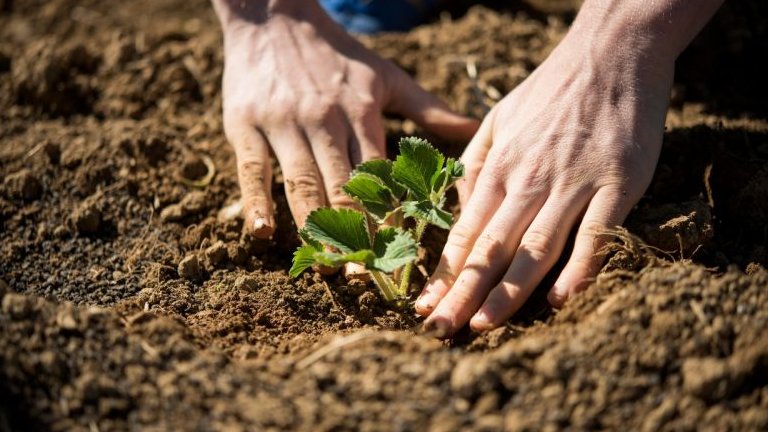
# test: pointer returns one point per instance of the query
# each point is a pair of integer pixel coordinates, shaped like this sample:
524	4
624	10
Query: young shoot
390	193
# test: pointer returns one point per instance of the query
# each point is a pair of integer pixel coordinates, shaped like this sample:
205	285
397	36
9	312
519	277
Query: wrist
237	13
656	31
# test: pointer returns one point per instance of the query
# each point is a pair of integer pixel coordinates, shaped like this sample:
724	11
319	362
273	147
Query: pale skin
573	148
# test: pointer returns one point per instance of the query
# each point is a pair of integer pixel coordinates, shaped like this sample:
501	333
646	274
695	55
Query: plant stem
385	284
405	278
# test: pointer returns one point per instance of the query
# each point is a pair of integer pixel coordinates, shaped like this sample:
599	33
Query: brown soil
127	304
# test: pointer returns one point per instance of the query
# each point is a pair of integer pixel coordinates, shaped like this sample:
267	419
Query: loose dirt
129	300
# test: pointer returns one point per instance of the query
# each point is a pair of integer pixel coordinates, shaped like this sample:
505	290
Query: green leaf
307	239
383	236
454	168
333	259
372	193
401	250
418	166
342	229
303	258
382	169
429	212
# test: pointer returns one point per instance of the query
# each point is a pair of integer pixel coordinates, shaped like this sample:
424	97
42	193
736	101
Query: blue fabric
373	16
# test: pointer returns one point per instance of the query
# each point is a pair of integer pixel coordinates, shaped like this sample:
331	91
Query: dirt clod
189	268
215	254
87	217
24	185
193	203
707	378
246	283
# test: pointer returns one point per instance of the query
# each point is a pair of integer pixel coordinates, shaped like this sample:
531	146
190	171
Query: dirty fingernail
438	327
261	228
423	305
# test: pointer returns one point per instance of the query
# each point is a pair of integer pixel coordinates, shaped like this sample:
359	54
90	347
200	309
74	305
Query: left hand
573	147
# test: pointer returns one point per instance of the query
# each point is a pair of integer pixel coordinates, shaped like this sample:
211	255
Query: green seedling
391	194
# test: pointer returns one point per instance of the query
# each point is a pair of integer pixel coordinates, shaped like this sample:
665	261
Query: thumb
408	99
254	173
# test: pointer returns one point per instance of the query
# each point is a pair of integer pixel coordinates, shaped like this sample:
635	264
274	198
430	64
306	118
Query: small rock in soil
23	184
87	218
707	378
193	203
366	303
216	254
246	283
189	268
237	253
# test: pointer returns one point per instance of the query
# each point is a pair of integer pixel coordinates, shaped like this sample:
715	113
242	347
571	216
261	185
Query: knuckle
363	108
485	248
592	228
539	244
318	112
462	236
463	297
303	185
337	197
253	168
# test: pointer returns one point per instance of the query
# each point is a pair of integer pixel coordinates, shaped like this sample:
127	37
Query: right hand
296	83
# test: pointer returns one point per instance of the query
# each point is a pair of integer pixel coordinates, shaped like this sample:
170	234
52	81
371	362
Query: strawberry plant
407	192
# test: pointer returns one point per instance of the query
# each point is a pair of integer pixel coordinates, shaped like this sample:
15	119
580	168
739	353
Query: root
342	342
628	251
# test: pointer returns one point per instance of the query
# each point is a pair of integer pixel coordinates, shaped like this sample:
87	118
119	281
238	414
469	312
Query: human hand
296	83
572	148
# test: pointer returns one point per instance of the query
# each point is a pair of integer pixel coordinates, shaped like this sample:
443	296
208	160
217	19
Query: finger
415	103
254	173
479	210
304	187
330	148
491	254
474	157
607	209
368	141
539	249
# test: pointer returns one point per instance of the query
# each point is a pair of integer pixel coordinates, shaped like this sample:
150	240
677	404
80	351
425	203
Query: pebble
216	254
193	203
87	218
189	268
246	283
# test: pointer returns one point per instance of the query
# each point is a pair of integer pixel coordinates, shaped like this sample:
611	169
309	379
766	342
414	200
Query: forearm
650	28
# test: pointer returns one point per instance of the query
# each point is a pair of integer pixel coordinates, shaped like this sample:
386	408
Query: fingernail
481	322
557	296
261	228
438	327
423	305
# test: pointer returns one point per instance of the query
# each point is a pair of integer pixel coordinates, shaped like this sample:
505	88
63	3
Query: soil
130	301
